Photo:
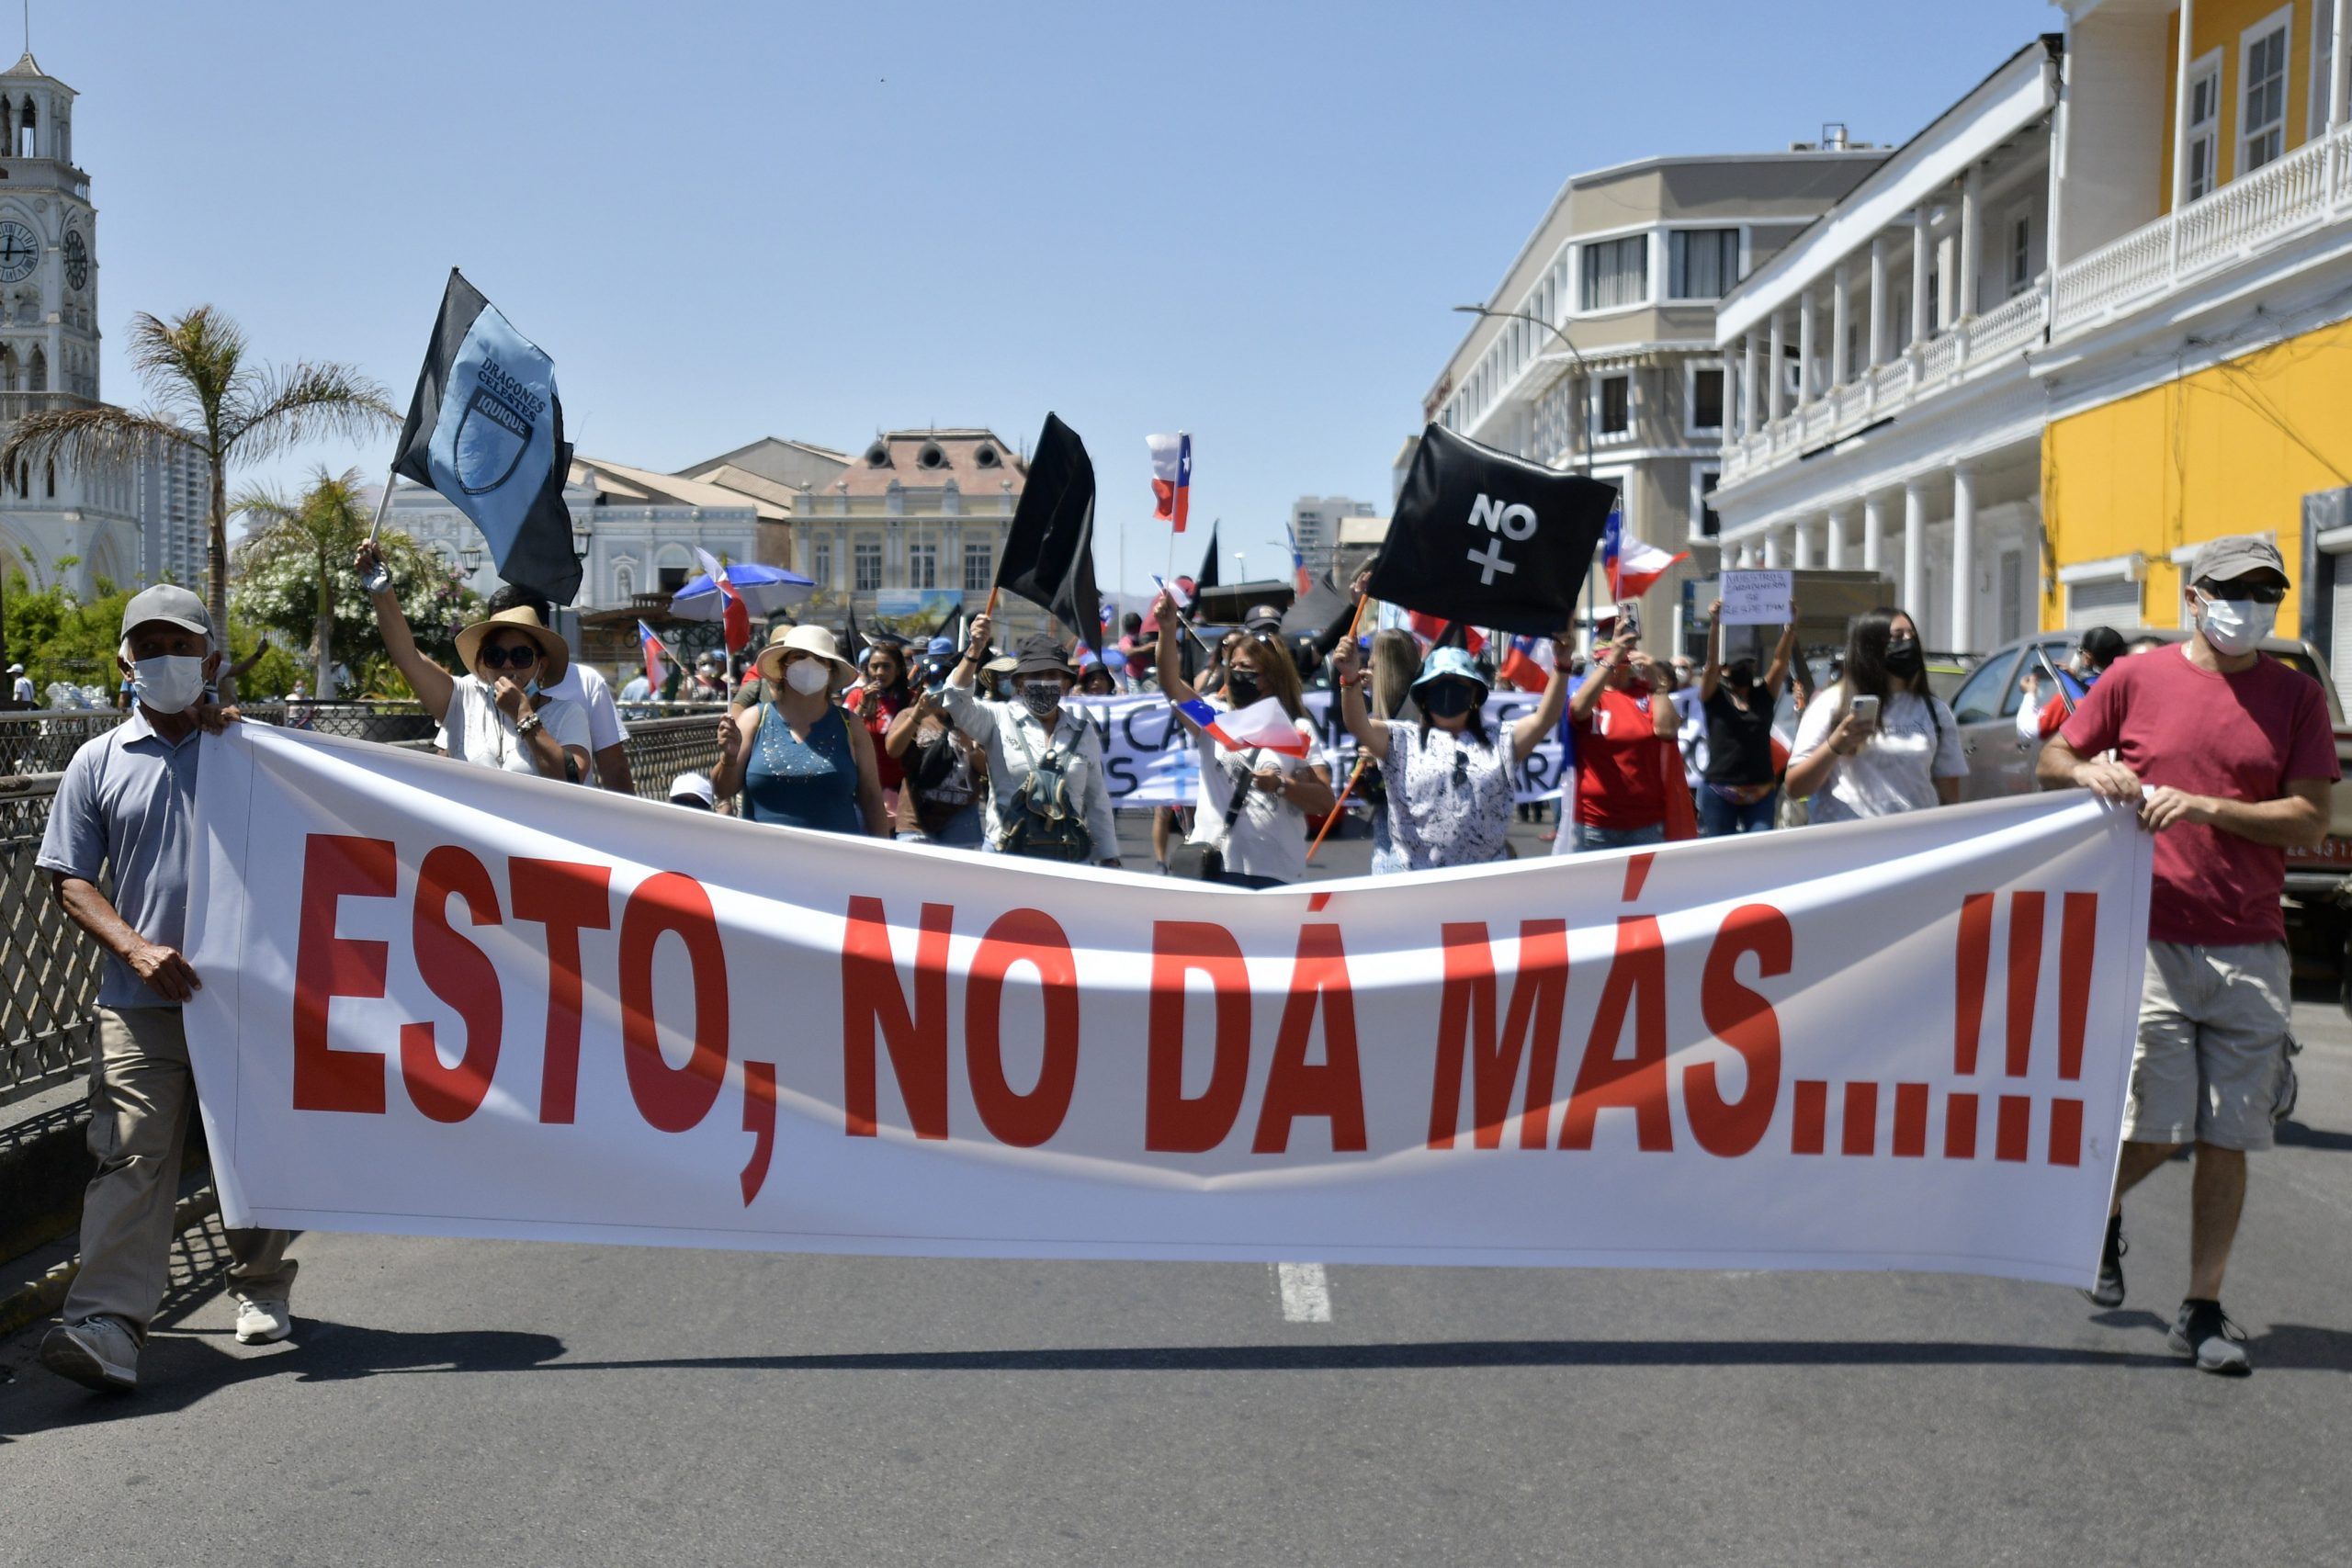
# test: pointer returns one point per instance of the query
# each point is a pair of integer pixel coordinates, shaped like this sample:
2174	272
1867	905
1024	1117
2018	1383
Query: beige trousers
140	1094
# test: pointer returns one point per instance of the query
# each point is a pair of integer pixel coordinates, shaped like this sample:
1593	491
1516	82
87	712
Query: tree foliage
278	580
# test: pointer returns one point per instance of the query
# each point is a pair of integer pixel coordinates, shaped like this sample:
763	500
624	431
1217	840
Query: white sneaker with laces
263	1322
97	1352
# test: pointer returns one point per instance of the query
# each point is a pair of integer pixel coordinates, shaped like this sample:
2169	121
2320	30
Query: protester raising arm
1529	730
431	684
1783	651
1372	737
1605	665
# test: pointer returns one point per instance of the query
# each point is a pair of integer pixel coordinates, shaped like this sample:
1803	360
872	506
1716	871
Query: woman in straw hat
497	716
795	756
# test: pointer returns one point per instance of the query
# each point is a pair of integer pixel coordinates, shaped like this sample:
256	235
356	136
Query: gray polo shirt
129	798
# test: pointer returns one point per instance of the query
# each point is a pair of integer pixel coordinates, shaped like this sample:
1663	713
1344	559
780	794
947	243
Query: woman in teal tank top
795	757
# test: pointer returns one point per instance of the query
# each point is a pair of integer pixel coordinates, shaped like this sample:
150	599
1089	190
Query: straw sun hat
802	639
555	655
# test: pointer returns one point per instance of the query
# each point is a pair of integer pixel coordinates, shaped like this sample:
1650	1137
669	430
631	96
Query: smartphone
1866	709
1629	620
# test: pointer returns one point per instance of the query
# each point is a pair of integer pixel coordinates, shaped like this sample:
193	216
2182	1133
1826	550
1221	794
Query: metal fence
49	968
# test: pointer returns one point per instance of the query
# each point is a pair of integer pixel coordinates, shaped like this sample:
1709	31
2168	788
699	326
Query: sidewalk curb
44	1295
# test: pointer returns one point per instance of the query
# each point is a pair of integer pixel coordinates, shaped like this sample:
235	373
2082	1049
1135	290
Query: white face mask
169	682
806	676
2235	626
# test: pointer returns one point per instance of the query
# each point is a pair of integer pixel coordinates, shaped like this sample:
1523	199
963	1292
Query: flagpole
1363	603
383	504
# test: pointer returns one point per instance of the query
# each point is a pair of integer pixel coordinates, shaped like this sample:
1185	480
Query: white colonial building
58	523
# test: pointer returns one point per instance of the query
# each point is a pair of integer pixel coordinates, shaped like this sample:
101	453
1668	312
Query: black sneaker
2205	1332
2109	1290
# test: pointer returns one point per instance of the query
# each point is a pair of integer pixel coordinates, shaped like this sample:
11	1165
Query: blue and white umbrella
764	589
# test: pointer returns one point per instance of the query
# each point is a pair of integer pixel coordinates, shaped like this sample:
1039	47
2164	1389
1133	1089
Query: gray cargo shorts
2211	1065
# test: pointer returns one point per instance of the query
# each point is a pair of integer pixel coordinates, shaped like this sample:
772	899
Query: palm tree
208	398
327	521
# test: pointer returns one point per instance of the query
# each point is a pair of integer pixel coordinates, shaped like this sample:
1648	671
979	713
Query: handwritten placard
1757	598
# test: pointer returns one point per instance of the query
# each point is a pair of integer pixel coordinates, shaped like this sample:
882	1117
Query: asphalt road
491	1404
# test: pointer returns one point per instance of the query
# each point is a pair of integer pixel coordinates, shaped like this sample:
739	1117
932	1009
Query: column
1947	267
2180	105
1874	532
1920	246
1840	371
1963	557
1915	542
1803	531
1972	238
2338	83
1836	560
1882	328
1747	383
1808	385
1776	386
1771	548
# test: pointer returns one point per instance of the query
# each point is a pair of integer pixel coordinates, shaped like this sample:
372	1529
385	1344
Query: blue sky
728	220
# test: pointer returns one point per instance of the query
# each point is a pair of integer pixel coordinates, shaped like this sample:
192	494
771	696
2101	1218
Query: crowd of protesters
2227	755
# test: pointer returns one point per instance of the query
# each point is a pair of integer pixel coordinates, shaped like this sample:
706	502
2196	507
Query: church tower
49	268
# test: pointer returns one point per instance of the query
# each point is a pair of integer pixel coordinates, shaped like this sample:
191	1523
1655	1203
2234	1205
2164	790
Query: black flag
856	651
1488	540
485	429
1209	576
1050	551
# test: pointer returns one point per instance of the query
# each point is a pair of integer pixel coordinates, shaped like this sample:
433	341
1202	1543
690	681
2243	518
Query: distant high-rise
1315	524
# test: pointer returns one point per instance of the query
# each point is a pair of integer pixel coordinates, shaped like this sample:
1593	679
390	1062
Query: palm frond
87	436
189	364
310	401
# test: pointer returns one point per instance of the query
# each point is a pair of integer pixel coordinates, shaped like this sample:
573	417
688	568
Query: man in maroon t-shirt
2228	755
1621	717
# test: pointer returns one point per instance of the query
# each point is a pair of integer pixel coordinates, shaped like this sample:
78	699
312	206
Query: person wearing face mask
1740	791
584	685
1046	794
878	699
1250	808
1908	758
2038	720
1625	726
797	755
126	803
2227	756
1450	780
499	715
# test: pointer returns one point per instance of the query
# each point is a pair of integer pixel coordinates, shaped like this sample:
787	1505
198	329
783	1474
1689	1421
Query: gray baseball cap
2234	555
168	602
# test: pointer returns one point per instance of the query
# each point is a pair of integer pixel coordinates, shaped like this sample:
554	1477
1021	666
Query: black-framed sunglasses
1461	769
518	658
2259	592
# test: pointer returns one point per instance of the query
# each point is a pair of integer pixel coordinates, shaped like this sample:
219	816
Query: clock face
19	251
77	260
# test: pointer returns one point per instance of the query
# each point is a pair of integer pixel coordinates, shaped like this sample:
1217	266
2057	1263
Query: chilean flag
1264	725
1298	560
1631	566
1522	666
1433	630
735	616
1172	478
655	654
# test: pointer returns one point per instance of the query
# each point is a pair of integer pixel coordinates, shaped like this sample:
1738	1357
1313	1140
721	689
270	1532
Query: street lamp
1584	449
580	541
471	555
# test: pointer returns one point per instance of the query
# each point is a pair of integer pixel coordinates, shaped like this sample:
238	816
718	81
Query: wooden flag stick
1362	601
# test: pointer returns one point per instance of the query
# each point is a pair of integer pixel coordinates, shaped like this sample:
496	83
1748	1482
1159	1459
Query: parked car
2319	881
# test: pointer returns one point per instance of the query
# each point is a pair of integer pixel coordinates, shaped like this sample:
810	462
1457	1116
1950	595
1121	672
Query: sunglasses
2260	593
1461	770
521	658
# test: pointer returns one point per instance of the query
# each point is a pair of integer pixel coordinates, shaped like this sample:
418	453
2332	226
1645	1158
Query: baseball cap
168	602
693	789
1263	618
2233	555
15	669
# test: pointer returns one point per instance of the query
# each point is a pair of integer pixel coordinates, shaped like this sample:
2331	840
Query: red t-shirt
2239	737
1619	782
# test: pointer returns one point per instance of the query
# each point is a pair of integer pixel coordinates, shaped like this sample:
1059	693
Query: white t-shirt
474	731
1269	839
24	689
586	685
1895	771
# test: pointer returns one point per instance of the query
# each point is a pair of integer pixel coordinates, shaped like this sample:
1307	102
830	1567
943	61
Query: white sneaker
261	1322
97	1352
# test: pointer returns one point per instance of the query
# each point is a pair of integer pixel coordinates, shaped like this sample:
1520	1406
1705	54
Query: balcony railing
1966	349
2309	186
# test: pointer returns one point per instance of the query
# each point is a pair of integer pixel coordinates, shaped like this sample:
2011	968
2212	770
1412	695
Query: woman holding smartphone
1879	741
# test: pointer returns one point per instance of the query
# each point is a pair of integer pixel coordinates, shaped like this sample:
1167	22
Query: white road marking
1306	1294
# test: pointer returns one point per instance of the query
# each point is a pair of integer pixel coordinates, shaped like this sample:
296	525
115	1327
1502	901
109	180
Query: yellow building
2199	368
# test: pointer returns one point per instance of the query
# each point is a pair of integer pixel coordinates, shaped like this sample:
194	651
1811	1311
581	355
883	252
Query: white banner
453	1001
1150	760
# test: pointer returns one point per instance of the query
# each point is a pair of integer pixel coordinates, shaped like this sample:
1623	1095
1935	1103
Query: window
979	573
1704	523
2108	602
2263	90
922	565
2325	67
1617	273
1980	698
821	562
673	578
1706	399
2020	253
2204	125
1614	413
1702	263
867	557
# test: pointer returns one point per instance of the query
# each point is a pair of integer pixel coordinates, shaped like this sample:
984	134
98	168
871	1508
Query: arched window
25	148
52	479
37	381
8	124
8	369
